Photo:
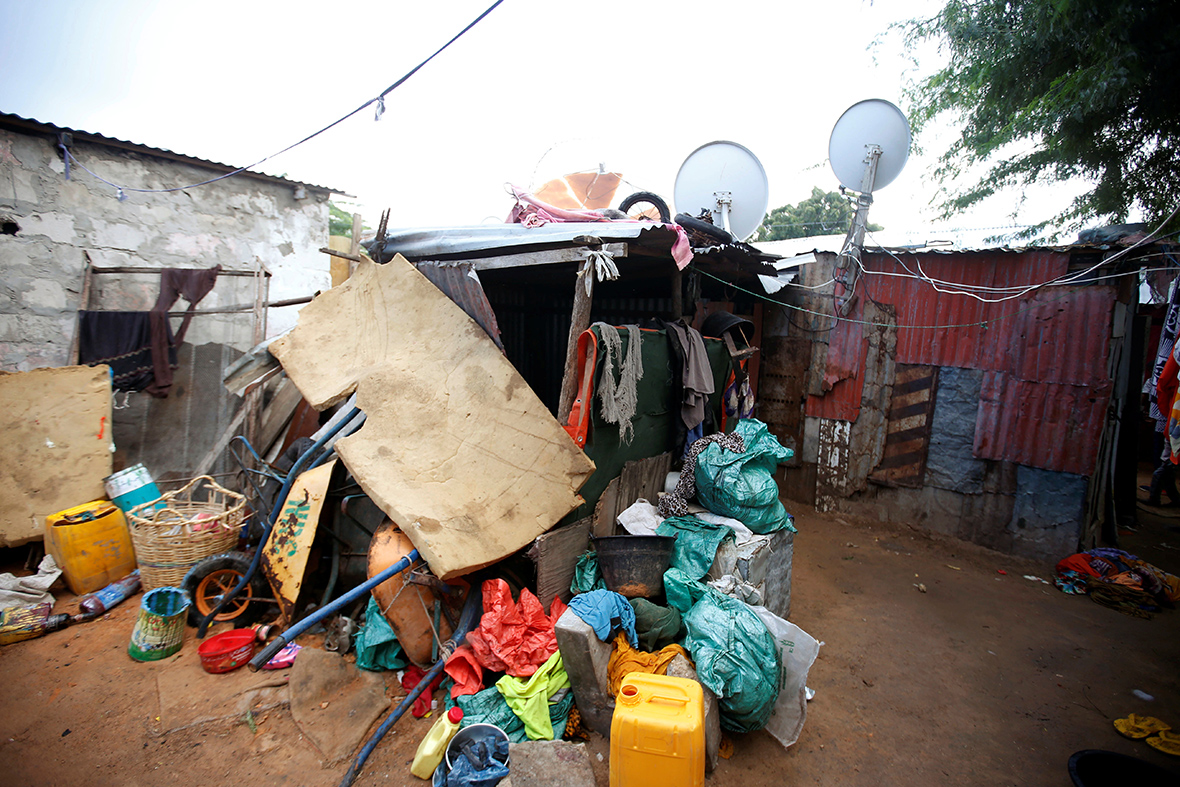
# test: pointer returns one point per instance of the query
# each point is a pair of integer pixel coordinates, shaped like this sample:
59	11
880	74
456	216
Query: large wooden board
457	449
284	558
57	441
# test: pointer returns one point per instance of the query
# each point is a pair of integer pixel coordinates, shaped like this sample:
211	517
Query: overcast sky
534	91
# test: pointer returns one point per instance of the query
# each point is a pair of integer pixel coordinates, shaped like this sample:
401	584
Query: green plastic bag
377	647
742	485
696	543
587	577
681	590
736	657
489	707
656	626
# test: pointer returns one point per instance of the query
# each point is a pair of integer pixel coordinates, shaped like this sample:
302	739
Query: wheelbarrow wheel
214	577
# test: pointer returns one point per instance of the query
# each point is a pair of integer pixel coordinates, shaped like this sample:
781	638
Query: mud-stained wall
48	224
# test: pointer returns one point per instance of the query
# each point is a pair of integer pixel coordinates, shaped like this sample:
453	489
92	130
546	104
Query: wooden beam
210	458
579	321
544	257
342	254
157	271
83	305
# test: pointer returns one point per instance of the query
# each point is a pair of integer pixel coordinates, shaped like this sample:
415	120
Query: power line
379	100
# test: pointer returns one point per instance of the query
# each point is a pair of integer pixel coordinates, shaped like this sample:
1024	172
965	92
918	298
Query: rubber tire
704	227
655	200
238	563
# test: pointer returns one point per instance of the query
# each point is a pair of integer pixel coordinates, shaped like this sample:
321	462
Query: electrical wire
959	289
379	100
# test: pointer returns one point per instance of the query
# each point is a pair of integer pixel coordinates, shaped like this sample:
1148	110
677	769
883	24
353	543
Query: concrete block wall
48	224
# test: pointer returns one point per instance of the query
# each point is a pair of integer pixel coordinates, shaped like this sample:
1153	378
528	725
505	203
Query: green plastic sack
736	657
587	577
696	543
377	647
742	485
681	590
656	626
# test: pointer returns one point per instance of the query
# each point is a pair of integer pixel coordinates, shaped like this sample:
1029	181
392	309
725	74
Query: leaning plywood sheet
57	434
457	449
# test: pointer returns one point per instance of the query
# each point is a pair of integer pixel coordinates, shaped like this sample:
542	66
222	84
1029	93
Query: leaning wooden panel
57	432
457	449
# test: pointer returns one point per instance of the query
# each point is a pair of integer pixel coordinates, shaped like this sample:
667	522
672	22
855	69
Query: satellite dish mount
868	150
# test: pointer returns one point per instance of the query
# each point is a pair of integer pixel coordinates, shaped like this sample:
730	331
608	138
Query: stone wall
49	224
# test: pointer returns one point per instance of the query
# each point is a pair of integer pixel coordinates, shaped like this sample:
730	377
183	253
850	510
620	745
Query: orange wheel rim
214	587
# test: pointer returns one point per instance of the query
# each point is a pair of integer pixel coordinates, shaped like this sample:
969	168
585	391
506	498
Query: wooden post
253	403
355	248
677	294
579	321
83	305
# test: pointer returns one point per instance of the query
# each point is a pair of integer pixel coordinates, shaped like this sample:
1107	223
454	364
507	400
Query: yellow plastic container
91	544
657	733
434	745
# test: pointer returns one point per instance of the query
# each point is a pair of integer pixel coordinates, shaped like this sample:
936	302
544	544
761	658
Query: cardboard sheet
457	449
57	432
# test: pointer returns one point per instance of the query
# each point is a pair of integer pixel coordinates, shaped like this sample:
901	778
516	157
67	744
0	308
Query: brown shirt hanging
174	283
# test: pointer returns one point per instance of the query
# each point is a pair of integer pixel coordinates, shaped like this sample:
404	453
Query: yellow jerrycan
657	733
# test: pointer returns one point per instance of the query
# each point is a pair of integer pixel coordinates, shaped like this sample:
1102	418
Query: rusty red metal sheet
1053	426
1046	354
842	379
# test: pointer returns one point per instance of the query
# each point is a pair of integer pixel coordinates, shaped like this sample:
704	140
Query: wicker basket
175	532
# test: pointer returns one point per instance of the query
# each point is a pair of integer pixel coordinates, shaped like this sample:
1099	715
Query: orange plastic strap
578	425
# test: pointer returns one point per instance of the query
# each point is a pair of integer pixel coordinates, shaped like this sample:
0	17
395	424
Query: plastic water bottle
98	602
434	745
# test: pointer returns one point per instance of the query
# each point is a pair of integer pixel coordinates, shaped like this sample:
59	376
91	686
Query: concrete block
680	667
550	764
585	657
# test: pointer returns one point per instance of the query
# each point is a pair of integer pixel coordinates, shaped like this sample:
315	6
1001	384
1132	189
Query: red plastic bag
411	678
465	670
514	637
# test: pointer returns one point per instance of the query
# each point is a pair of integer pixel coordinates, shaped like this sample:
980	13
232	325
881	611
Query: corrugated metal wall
1047	384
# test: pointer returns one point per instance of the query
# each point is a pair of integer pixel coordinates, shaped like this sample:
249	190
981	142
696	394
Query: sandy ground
987	678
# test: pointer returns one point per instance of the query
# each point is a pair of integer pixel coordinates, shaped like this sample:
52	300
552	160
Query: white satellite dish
727	180
863	129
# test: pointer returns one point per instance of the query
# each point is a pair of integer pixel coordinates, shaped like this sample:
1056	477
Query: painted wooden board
284	558
57	444
457	449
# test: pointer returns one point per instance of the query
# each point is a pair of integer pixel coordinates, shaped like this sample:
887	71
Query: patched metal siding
908	432
1045	354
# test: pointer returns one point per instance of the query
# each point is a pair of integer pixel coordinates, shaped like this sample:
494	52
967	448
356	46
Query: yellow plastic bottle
657	733
434	745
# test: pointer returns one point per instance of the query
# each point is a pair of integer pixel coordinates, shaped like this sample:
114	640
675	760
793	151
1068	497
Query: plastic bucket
634	566
227	651
473	732
132	487
159	631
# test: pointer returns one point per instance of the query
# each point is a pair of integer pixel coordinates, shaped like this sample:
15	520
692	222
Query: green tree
339	221
823	213
1056	90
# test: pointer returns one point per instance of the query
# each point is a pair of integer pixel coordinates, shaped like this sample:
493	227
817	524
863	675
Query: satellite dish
726	180
863	128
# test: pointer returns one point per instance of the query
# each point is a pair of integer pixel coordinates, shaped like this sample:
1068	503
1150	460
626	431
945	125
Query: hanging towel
193	285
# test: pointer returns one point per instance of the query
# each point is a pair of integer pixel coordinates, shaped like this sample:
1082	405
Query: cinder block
777	597
550	764
585	657
680	667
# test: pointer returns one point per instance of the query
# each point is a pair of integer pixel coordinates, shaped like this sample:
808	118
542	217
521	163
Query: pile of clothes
1119	580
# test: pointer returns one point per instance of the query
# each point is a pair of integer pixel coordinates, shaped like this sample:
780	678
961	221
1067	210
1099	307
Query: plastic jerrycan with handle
657	733
434	745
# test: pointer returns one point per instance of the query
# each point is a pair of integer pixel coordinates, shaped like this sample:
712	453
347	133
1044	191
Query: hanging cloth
193	285
620	400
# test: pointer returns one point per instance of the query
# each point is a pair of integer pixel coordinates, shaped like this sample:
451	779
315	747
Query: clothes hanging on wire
193	285
122	341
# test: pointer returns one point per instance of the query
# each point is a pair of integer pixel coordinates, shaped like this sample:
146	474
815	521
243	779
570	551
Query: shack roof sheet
31	125
490	240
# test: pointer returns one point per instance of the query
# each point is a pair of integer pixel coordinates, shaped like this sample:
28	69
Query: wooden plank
543	257
131	269
234	427
579	321
289	545
643	478
277	414
83	305
556	556
606	509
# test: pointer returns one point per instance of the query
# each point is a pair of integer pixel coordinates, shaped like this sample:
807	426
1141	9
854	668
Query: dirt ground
987	678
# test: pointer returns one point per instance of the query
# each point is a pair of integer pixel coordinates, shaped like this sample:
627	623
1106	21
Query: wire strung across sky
379	100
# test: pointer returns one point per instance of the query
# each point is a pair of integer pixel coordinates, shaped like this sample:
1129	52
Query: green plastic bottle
434	745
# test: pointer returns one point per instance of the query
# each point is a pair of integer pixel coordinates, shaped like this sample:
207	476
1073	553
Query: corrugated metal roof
461	284
16	122
487	240
1045	354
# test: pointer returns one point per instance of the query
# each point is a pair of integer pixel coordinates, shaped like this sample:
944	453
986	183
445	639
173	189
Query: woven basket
175	532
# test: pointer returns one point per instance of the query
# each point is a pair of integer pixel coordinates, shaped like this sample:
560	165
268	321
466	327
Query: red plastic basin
227	651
